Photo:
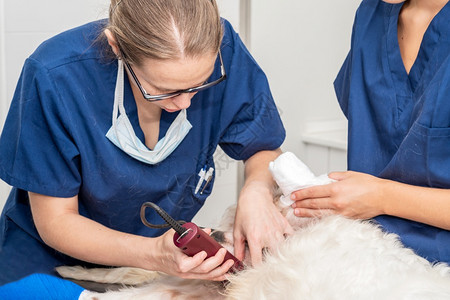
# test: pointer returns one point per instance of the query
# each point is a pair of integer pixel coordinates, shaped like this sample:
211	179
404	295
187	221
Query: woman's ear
112	42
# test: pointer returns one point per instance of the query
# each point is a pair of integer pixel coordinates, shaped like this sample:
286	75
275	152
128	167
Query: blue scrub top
53	143
399	124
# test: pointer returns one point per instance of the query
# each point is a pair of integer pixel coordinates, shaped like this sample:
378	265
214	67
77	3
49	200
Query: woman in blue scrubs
394	89
127	110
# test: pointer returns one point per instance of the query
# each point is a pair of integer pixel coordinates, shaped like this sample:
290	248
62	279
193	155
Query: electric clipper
190	238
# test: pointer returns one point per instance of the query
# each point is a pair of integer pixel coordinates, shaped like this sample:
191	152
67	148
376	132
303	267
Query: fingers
188	263
269	240
313	213
197	266
255	253
211	263
319	191
218	274
212	268
314	203
273	243
239	247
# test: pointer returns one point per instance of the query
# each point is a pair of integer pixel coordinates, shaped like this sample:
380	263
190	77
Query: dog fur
327	258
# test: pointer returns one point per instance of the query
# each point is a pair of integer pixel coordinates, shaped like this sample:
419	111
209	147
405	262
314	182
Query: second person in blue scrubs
394	89
127	110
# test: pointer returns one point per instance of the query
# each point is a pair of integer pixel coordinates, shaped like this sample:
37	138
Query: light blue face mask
123	136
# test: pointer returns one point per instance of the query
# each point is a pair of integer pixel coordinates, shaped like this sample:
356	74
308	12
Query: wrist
255	192
384	188
148	256
260	185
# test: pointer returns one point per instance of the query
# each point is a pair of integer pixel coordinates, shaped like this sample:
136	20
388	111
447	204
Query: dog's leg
164	288
123	275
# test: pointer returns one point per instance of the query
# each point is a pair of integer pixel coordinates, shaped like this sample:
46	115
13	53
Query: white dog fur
327	258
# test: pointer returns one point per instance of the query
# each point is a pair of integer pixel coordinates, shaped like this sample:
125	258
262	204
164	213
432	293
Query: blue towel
40	286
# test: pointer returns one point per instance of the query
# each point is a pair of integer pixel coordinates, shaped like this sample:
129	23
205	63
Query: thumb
338	175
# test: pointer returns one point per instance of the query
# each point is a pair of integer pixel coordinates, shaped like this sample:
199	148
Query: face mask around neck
123	136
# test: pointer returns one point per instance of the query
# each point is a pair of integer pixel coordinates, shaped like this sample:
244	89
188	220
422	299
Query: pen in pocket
208	177
202	174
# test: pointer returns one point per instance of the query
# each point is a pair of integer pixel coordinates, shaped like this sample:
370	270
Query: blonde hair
165	29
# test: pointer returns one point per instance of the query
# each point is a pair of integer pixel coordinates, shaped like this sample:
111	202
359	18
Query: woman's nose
183	100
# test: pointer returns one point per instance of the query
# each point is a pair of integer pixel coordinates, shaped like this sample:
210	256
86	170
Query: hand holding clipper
189	237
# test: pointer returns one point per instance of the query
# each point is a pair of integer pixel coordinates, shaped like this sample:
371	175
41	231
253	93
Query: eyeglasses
149	97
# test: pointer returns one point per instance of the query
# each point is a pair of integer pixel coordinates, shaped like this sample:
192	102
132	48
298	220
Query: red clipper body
195	240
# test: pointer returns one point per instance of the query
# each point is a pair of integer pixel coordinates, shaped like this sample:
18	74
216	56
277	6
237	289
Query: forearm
64	229
426	205
90	241
257	169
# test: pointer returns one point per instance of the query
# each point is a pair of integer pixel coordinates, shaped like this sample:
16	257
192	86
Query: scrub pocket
206	187
423	158
438	157
181	191
443	241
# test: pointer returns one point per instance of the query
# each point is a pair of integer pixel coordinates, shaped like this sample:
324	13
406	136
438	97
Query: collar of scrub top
201	87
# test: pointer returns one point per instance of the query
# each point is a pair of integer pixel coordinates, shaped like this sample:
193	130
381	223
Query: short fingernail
293	196
296	211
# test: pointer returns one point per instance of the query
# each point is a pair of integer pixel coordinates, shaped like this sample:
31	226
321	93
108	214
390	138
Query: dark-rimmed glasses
149	97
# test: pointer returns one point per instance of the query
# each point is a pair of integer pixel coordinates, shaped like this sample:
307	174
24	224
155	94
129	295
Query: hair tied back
115	6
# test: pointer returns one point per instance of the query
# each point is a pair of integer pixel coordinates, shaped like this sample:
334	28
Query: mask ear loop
119	108
118	92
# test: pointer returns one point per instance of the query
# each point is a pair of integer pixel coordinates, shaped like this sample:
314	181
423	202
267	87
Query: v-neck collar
130	106
407	85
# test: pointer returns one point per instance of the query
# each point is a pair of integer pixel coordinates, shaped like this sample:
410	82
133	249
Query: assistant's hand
354	195
258	222
171	260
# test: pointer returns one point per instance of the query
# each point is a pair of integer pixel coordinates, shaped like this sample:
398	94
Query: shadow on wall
4	192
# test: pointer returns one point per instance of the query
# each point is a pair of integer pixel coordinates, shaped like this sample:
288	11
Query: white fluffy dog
327	258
